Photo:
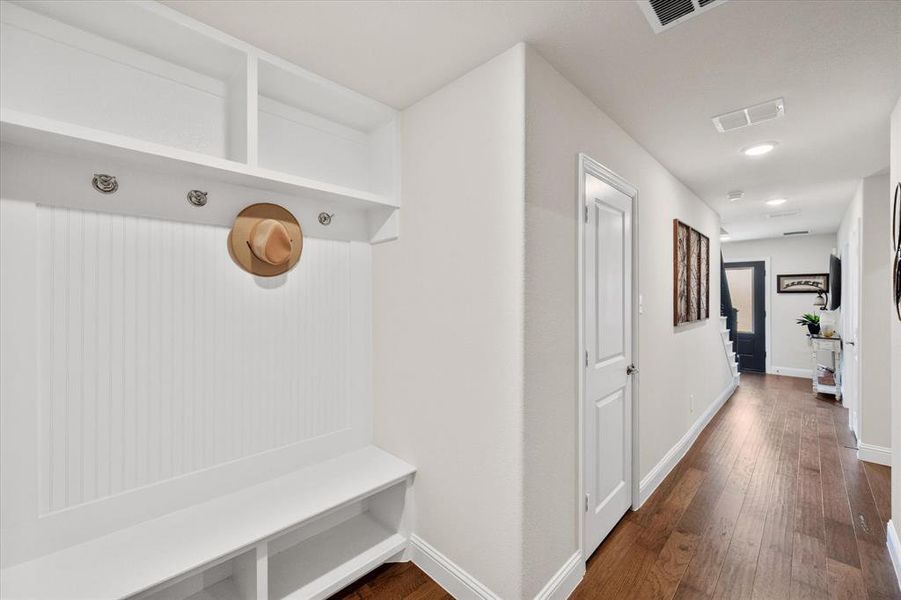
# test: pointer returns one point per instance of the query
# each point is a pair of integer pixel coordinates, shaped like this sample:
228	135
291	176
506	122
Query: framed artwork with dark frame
691	274
802	283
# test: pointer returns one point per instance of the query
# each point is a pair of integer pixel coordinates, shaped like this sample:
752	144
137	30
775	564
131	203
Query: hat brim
239	236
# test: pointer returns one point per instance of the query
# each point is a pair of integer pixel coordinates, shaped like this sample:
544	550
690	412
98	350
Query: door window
741	288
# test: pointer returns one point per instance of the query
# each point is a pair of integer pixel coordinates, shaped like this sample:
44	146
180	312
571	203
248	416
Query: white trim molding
463	586
565	580
656	476
446	573
894	549
790	372
874	454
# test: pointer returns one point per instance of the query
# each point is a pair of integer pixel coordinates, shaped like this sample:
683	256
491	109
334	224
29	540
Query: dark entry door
747	288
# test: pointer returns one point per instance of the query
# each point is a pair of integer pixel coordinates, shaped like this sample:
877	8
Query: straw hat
265	240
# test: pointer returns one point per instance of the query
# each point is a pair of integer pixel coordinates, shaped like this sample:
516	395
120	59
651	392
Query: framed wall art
691	274
802	283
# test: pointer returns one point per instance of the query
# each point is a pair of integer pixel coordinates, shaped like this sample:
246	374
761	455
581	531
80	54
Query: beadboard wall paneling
143	372
159	357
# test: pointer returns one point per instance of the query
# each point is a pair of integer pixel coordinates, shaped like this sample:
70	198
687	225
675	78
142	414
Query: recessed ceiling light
759	149
725	238
776	201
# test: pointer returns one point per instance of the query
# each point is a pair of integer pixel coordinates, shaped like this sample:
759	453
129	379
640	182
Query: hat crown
270	242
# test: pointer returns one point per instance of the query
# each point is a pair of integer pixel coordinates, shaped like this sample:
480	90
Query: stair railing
726	308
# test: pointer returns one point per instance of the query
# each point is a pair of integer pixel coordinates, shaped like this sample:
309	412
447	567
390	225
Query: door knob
631	370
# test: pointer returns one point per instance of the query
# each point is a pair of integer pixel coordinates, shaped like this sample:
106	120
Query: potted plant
812	321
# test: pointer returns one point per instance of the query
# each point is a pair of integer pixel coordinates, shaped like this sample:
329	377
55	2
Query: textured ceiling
836	63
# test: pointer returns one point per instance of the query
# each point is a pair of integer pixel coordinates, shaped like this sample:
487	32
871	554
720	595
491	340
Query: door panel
747	287
609	414
610	237
608	343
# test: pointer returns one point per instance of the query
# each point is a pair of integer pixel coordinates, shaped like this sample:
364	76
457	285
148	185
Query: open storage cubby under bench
301	536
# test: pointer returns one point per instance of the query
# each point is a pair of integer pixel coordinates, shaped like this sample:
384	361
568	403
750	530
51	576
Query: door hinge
586	358
586	213
587	503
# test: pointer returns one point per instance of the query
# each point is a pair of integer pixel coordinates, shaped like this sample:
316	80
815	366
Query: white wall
475	317
144	372
448	318
874	336
675	362
789	352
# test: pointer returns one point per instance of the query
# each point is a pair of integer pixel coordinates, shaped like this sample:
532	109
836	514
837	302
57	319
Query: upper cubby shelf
136	82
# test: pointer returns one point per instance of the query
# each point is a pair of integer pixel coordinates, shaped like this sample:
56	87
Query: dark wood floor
770	502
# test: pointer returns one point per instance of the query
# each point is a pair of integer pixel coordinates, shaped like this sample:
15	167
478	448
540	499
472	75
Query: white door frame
587	165
767	322
854	235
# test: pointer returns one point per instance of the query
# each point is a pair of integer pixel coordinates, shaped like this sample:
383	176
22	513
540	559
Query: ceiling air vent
779	215
663	14
805	232
750	115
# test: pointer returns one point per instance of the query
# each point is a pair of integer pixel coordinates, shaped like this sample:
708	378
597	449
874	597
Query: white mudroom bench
303	535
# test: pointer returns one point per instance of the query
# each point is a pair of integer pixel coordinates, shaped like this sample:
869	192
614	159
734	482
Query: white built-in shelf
179	544
40	133
226	589
141	89
331	560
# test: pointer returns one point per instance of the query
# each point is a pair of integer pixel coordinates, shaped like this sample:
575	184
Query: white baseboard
463	586
446	573
894	549
790	372
565	580
874	454
675	454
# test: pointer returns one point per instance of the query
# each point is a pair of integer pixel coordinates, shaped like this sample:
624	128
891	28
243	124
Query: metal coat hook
325	218
105	184
197	197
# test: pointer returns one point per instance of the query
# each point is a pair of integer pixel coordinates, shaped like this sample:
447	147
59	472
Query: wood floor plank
840	540
840	418
772	579
661	581
845	582
663	521
867	524
703	572
400	581
877	569
618	558
736	578
808	568
880	480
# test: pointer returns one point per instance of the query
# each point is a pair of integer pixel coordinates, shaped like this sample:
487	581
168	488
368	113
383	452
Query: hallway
770	502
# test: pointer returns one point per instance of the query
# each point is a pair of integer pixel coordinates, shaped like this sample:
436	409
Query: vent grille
668	11
780	215
750	115
804	232
663	14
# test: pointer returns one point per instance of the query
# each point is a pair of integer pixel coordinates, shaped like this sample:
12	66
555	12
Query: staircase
730	351
727	322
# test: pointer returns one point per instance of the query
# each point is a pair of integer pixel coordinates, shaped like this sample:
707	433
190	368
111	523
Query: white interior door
607	319
851	327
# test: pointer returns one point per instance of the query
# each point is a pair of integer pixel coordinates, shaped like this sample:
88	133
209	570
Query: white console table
832	346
